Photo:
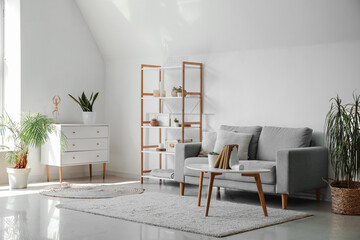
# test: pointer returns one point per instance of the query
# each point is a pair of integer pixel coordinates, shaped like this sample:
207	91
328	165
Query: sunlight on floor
36	187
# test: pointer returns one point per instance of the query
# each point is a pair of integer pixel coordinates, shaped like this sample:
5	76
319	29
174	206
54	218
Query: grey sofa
295	165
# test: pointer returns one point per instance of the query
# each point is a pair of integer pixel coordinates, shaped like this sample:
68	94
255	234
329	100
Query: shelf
153	151
170	68
174	98
161	127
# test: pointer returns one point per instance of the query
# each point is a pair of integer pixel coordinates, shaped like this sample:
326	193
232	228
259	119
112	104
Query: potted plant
176	122
174	92
179	91
89	117
343	140
212	157
31	131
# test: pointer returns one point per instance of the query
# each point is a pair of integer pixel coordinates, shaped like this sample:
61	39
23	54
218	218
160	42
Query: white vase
212	160
234	160
89	117
18	177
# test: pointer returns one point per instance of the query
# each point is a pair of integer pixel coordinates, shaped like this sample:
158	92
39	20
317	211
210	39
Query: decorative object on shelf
154	122
226	156
185	125
32	131
179	91
156	93
212	156
170	144
86	145
89	117
343	140
174	92
56	100
163	93
161	147
176	122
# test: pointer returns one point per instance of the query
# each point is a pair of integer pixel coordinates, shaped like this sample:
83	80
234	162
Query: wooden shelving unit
145	124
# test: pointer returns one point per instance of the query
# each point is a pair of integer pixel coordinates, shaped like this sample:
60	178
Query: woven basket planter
345	200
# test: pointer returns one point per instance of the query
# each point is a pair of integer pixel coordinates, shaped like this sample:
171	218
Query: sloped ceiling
139	28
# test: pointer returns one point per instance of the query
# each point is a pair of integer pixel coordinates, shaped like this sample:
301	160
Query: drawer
85	132
87	144
78	158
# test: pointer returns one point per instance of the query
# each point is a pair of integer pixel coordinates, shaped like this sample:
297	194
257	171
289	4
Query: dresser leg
47	172
60	174
104	168
90	169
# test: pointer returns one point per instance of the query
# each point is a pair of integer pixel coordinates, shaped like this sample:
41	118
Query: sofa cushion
254	130
208	143
227	138
266	178
273	139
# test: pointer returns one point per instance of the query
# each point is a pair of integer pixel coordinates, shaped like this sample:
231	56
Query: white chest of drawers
86	145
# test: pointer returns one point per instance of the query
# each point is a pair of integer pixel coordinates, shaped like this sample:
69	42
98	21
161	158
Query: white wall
58	56
266	62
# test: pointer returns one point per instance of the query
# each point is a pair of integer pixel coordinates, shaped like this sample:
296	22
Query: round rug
90	191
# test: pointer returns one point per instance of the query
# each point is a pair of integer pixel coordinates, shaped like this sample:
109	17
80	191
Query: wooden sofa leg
284	200
318	194
182	188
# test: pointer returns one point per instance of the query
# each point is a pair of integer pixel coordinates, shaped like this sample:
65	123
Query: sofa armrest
301	169
183	151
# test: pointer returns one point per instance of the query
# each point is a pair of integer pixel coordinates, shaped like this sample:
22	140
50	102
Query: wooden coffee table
203	168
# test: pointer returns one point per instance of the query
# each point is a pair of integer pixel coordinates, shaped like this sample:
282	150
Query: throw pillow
208	143
227	138
273	139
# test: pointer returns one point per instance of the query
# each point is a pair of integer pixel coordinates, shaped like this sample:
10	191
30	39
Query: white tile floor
24	214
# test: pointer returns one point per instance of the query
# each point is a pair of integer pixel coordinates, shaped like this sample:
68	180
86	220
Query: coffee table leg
261	193
200	188
211	183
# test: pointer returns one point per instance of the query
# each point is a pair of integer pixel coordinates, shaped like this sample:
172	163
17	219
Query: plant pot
212	160
176	124
18	177
174	93
154	122
345	200
89	117
179	94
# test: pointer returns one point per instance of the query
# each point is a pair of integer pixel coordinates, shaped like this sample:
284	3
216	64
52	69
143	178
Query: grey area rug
182	213
90	191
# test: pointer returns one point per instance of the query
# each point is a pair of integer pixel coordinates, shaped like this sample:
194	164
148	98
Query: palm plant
343	139
32	131
85	103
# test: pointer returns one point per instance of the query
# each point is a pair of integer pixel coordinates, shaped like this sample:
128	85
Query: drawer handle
98	131
73	145
74	132
97	155
73	157
98	144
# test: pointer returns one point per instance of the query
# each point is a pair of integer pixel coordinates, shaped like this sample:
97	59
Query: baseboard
324	196
124	175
